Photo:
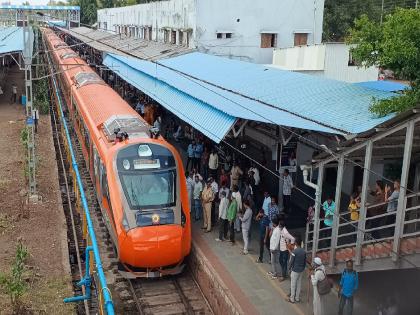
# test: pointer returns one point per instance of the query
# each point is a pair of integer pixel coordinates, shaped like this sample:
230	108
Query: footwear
270	273
259	261
297	301
245	252
290	301
218	240
281	279
207	231
273	277
233	243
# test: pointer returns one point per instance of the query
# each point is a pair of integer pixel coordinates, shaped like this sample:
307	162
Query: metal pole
318	195
27	56
362	217
399	220
336	218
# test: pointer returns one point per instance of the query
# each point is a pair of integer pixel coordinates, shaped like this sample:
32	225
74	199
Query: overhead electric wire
324	148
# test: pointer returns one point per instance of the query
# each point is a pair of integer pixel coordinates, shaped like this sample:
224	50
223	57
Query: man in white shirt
215	188
213	163
246	219
223	206
190	188
285	239
266	203
287	190
256	174
197	189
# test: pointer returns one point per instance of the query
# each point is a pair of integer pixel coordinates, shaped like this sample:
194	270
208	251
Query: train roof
101	105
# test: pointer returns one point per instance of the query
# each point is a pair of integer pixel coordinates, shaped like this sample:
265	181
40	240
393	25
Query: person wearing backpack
349	283
319	279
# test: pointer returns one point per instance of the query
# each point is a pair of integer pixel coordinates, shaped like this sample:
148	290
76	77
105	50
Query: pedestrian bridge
378	240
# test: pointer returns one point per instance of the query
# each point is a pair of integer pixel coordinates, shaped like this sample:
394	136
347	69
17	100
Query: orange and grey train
138	176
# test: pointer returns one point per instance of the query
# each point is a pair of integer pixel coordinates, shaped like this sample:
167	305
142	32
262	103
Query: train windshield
149	190
147	174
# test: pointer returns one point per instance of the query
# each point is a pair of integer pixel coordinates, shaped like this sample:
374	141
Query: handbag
324	286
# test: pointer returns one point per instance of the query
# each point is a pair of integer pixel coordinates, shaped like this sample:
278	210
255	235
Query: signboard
286	156
29	121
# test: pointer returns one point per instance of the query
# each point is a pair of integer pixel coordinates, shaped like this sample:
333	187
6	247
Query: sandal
290	301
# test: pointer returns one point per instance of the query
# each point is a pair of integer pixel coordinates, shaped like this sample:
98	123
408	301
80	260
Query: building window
301	39
224	35
166	36
268	40
150	33
228	35
219	35
180	37
173	37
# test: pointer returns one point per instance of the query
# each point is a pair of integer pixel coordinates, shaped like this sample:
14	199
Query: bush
13	283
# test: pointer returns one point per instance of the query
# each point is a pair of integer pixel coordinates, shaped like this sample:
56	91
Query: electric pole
28	37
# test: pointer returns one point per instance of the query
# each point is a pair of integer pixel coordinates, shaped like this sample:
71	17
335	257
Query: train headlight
126	164
155	219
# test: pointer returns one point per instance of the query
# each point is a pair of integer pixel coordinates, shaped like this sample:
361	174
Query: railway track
166	296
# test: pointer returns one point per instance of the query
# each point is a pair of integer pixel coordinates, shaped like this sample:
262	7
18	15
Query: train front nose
153	246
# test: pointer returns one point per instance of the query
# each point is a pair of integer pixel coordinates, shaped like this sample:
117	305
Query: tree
394	45
339	15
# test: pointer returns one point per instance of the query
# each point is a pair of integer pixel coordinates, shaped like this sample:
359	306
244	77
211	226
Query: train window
104	183
95	161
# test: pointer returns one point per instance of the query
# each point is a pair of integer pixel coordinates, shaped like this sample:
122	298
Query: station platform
243	284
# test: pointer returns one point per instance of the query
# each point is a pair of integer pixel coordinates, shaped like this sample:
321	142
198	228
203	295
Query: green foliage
41	100
24	136
339	15
394	45
13	283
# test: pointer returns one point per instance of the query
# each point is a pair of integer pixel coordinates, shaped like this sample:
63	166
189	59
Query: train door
96	163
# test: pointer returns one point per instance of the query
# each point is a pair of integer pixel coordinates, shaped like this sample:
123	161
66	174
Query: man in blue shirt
348	285
190	153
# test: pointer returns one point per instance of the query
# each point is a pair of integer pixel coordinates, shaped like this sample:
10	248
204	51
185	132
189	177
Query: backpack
324	286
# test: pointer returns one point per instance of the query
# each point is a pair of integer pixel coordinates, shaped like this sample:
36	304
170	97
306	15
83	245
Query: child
275	249
223	206
246	219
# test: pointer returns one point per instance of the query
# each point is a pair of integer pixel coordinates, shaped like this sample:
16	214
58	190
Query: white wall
206	17
337	68
177	14
283	17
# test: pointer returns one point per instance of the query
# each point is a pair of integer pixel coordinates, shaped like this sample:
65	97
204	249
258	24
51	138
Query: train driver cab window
148	176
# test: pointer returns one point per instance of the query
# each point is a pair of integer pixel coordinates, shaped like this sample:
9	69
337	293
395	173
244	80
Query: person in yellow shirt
354	207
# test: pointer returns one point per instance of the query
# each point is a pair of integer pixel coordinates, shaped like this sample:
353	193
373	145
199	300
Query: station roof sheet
123	45
386	86
210	121
256	92
11	39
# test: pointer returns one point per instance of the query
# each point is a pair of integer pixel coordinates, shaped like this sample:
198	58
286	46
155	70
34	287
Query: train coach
138	176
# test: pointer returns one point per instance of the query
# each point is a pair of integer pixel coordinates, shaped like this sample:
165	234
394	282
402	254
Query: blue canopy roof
387	86
210	121
255	92
11	39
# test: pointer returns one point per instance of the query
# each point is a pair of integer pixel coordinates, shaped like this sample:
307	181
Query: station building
246	30
317	128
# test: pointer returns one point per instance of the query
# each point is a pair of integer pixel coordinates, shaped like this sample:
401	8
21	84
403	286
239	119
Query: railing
378	229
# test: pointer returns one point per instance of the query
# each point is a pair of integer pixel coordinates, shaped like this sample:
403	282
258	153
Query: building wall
176	14
337	68
244	19
329	60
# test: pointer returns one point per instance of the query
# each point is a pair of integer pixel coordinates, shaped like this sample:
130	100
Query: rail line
172	295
